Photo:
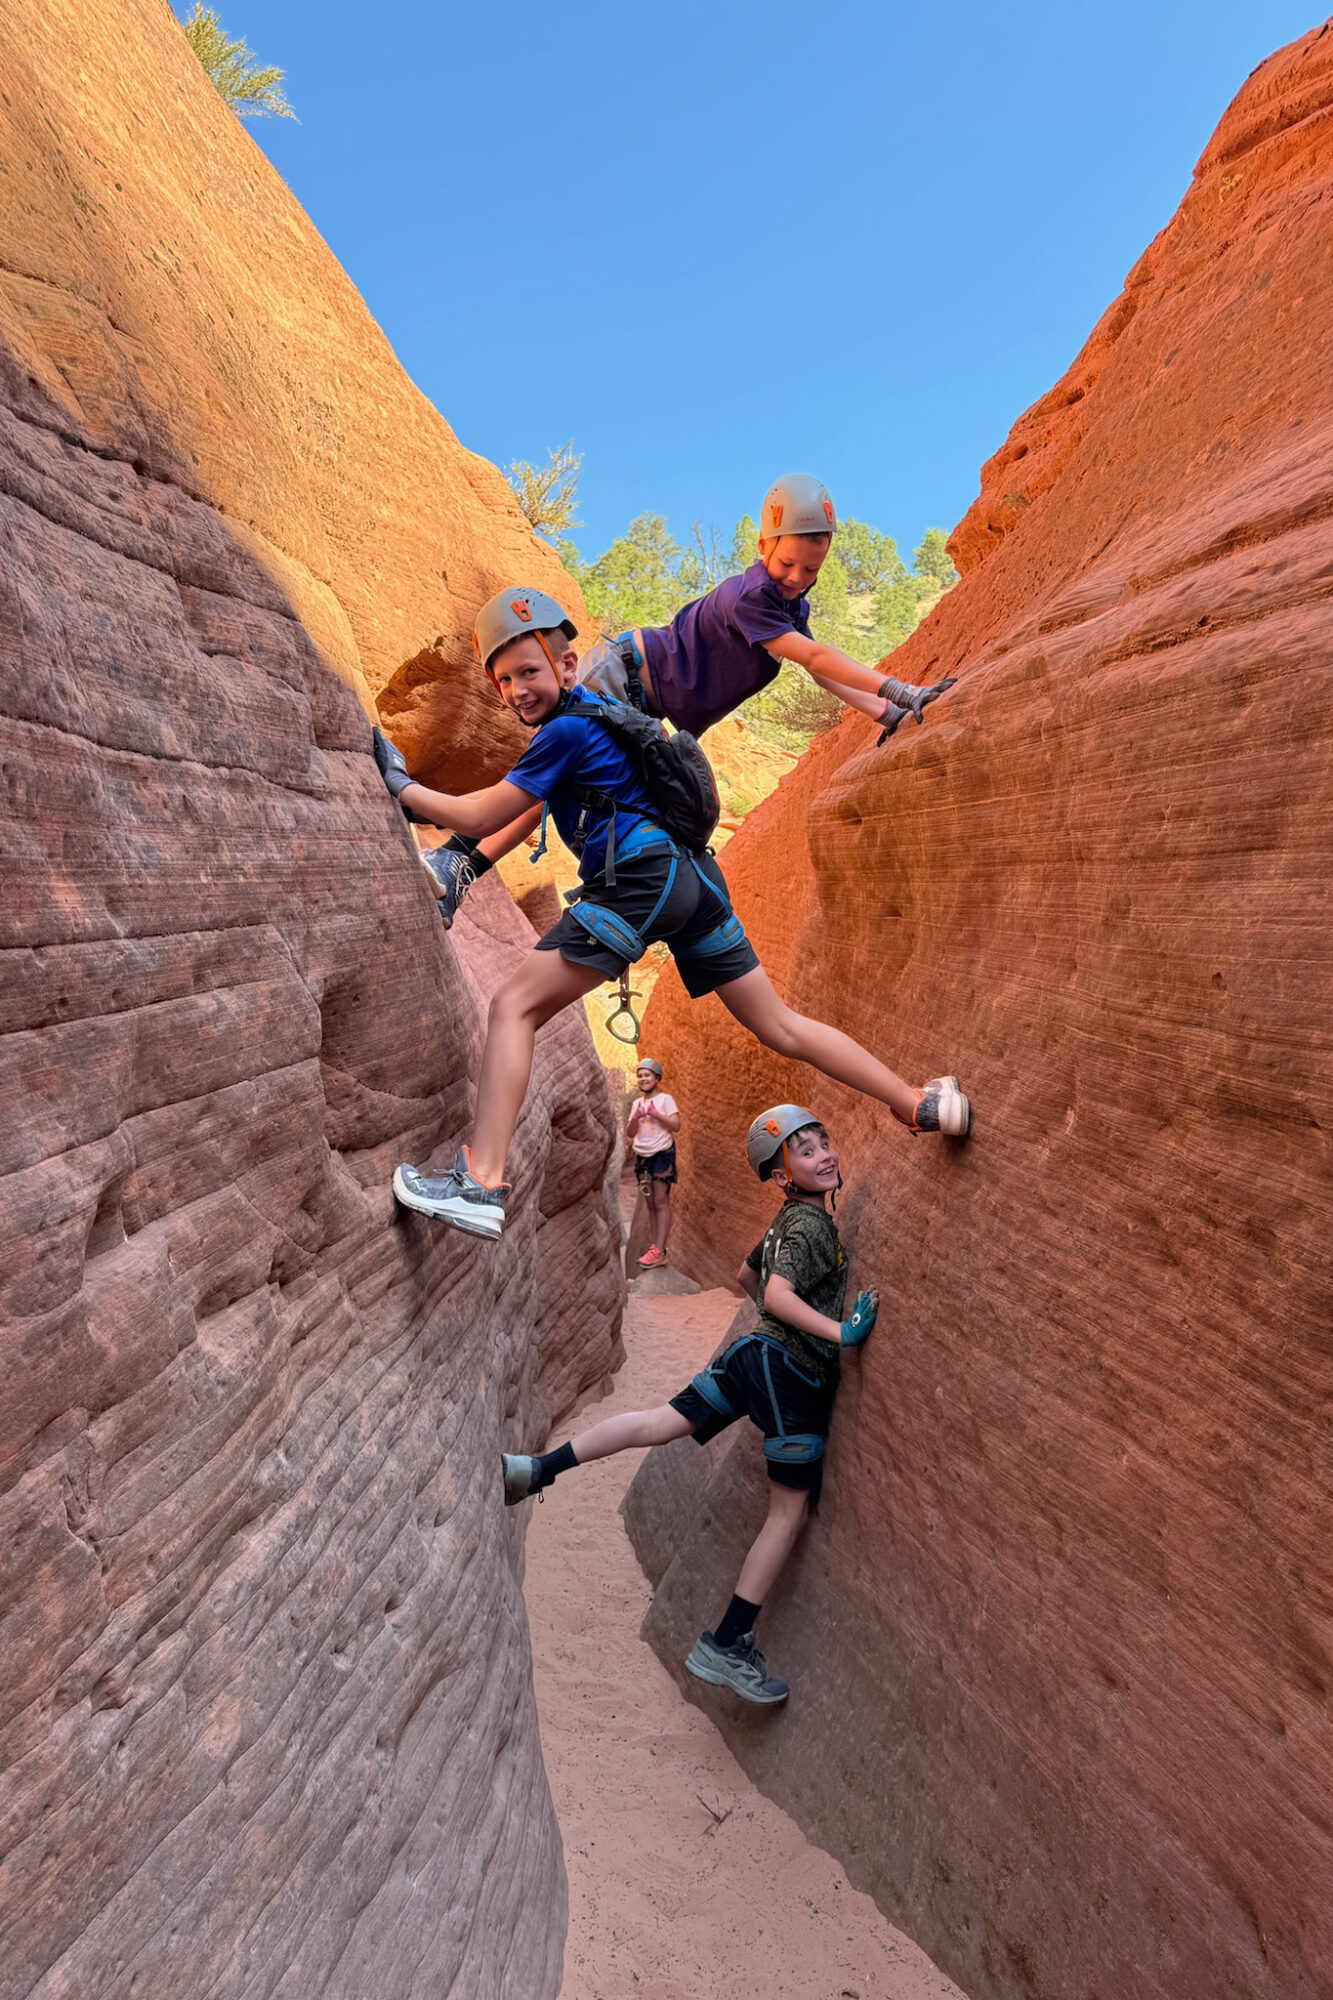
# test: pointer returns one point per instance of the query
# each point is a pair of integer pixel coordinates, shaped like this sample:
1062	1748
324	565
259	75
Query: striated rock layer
266	1725
1062	1637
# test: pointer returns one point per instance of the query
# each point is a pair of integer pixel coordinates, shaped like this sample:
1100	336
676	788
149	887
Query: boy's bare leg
774	1542
757	1007
496	845
543	985
630	1428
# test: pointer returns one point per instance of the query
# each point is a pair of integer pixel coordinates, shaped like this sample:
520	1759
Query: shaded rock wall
1061	1636
265	1716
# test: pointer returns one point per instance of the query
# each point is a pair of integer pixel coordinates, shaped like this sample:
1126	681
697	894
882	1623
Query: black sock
737	1620
550	1464
458	843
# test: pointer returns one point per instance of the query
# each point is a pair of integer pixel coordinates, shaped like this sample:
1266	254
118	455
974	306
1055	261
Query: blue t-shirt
711	657
576	750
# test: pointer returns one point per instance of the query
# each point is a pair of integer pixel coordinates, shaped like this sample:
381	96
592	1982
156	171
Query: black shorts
696	922
656	1166
762	1381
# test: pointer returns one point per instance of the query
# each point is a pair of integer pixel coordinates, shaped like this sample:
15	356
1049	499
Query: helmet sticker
520	608
775	512
773	1126
828	512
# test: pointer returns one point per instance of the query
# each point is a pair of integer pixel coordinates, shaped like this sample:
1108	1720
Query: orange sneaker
652	1257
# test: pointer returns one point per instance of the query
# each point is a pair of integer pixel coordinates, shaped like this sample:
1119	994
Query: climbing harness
625	998
787	1447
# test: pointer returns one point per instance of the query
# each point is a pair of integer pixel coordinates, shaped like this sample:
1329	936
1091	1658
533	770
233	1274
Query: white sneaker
457	1197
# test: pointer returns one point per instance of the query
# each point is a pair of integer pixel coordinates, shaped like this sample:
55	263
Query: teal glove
865	1310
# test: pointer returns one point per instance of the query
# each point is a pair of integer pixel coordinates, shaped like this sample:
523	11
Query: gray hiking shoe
520	1476
740	1667
943	1108
456	1197
451	876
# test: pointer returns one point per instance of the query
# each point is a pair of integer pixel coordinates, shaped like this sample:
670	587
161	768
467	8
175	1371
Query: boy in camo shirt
783	1376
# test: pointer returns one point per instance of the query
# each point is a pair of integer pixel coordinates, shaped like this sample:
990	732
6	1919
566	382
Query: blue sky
715	242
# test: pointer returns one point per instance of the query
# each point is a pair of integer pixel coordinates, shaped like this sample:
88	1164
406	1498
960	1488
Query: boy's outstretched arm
885	700
473	814
781	1299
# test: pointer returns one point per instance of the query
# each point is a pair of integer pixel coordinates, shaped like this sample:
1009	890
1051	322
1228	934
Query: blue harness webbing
788	1447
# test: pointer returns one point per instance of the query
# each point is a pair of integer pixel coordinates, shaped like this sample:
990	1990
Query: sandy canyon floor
684	1881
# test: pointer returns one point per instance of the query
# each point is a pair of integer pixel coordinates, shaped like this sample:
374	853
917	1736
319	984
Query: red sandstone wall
1061	1637
265	1715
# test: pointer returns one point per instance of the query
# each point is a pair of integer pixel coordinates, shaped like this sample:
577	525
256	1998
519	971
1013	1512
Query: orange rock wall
1060	1638
265	1714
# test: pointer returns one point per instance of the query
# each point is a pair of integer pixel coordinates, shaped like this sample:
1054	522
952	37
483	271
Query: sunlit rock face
1060	1638
265	1716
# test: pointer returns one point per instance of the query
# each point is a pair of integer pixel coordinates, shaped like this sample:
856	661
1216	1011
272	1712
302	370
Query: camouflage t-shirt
802	1246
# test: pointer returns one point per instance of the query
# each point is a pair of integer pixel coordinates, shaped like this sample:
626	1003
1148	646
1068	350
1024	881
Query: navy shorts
762	1381
690	922
656	1166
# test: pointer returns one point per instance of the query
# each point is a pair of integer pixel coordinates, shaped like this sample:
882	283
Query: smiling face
648	1079
812	1163
793	561
527	681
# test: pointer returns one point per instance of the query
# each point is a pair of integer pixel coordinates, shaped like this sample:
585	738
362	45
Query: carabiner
624	996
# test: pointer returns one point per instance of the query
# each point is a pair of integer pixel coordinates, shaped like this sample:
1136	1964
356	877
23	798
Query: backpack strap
633	665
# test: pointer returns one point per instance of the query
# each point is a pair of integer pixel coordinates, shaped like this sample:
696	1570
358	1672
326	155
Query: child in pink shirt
653	1124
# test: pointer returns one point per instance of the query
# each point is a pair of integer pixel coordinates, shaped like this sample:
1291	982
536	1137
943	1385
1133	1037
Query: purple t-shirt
711	657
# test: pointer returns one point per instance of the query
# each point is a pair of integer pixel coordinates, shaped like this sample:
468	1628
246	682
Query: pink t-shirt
650	1135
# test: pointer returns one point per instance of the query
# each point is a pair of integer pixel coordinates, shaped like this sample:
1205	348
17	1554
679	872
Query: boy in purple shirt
715	654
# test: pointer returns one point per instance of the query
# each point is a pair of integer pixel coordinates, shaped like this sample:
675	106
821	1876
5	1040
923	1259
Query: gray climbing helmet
650	1062
798	504
770	1132
512	613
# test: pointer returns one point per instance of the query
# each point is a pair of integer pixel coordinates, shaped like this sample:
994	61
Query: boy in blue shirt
578	771
715	654
783	1377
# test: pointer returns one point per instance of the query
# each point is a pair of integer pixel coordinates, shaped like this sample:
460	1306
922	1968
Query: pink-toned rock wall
265	1717
1062	1637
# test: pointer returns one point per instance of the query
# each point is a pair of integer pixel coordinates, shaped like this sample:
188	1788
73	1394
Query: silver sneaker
740	1667
943	1108
456	1197
451	876
520	1473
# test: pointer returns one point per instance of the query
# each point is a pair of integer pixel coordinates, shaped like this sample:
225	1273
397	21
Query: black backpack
675	773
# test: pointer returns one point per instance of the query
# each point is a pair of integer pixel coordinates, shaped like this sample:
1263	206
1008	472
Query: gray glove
393	769
865	1310
905	699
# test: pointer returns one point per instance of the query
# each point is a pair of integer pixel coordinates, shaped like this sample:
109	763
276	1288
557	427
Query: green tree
870	559
932	562
247	87
744	544
635	581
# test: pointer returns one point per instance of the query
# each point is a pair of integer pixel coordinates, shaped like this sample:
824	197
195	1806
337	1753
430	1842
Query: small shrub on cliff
247	87
548	494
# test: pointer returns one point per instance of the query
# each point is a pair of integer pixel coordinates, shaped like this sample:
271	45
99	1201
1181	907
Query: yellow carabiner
624	996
